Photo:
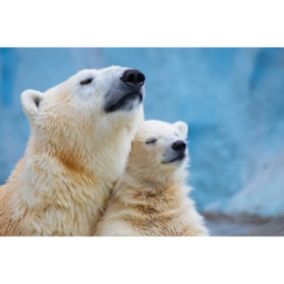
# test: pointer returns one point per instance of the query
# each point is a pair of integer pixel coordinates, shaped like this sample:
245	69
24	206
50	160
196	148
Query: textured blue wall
233	100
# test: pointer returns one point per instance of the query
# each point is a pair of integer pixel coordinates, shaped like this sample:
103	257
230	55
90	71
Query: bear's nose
179	146
133	78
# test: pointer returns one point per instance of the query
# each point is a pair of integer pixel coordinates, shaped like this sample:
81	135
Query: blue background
232	99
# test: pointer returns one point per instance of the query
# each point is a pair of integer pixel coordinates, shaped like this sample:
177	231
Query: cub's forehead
84	73
158	128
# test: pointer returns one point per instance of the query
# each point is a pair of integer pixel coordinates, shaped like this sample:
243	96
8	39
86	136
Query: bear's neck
153	184
159	195
61	181
54	168
82	156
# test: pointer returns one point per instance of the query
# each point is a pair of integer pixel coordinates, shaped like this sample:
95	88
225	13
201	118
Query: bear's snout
133	78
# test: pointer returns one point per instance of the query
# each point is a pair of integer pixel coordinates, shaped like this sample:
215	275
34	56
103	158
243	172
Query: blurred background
232	99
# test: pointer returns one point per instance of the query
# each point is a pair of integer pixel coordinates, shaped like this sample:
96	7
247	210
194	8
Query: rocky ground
220	225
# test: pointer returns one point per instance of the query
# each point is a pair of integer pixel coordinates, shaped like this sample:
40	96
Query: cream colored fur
75	154
151	199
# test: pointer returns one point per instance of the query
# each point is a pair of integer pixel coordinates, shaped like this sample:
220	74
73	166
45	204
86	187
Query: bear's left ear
31	100
182	127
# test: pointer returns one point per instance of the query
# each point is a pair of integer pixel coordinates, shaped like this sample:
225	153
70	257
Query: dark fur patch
71	162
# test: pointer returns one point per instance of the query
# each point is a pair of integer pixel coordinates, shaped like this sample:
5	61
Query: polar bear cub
151	198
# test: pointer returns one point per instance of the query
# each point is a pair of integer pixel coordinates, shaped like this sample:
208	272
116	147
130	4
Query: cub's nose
133	78
179	146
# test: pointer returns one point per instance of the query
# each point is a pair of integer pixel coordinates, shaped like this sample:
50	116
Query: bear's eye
151	141
86	81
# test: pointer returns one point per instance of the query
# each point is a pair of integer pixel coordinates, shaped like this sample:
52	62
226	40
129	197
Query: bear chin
125	103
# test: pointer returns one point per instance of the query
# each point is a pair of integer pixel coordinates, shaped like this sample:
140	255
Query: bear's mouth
125	102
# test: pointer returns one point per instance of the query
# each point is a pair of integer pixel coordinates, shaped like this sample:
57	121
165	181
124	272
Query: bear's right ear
31	100
182	127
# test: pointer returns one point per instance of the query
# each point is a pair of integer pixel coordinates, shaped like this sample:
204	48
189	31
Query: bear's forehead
93	71
159	128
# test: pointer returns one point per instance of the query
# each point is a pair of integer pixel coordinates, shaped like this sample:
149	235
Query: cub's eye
86	81
151	141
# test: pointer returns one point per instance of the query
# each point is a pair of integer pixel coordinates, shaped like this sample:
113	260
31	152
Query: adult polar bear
81	133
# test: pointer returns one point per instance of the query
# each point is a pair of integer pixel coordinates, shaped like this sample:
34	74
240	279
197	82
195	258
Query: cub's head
93	106
159	150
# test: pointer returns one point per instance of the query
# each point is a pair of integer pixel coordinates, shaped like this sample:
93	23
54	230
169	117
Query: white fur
75	154
151	198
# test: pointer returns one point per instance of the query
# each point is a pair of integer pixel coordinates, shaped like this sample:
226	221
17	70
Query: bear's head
87	113
159	151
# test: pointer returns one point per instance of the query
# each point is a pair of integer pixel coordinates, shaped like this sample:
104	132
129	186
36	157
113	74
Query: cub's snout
179	146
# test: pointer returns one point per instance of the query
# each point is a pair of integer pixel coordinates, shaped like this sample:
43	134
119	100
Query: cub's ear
31	100
182	127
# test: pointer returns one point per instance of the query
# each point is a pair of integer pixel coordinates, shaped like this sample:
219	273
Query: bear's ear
31	100
182	127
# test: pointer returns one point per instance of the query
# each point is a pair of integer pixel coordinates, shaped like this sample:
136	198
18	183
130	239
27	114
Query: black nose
179	146
133	77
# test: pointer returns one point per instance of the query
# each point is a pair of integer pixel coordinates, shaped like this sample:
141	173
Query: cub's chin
177	159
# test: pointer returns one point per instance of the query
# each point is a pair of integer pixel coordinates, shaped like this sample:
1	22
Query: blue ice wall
232	99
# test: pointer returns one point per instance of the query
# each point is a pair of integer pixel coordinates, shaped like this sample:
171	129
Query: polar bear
151	198
81	133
